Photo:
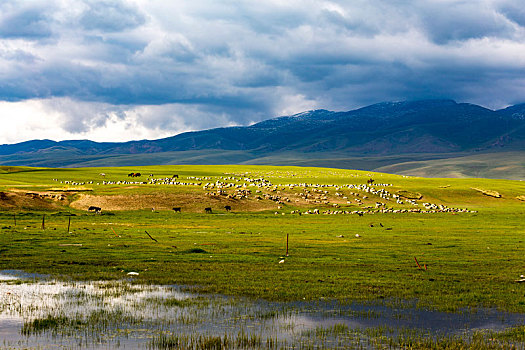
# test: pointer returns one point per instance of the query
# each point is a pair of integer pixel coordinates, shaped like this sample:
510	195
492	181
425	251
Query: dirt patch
489	193
55	195
30	201
409	194
167	201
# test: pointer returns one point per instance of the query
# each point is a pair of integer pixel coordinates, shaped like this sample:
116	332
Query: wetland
44	313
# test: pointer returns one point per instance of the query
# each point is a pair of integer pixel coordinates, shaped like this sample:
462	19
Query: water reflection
44	313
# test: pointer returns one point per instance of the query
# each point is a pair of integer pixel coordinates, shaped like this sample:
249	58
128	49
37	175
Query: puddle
9	275
46	314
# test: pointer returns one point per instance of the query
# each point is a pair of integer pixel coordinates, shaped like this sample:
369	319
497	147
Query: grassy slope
505	165
472	258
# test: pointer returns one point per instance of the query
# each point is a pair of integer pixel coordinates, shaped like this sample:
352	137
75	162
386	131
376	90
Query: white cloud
294	103
67	119
56	119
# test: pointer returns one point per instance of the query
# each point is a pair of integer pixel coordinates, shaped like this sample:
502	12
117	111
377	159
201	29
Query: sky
144	69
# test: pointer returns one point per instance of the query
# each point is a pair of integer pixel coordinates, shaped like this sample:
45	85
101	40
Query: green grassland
466	259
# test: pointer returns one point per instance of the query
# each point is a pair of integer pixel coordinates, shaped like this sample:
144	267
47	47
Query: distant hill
371	137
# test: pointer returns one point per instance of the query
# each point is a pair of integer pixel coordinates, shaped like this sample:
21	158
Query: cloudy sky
115	70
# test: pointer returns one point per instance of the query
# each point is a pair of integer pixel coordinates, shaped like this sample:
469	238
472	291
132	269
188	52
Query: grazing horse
207	210
370	181
228	208
175	176
177	209
97	210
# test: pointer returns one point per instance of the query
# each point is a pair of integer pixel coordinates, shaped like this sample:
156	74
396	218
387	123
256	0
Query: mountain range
373	137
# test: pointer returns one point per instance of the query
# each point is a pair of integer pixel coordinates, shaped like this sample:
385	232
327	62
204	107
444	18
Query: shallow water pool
42	313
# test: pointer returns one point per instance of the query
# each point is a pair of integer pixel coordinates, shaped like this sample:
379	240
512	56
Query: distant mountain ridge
385	129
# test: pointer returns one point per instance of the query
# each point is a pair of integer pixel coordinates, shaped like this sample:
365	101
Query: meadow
293	234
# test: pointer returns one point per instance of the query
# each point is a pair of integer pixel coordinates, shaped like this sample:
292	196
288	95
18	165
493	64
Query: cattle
175	176
228	208
370	181
207	210
97	210
134	174
177	209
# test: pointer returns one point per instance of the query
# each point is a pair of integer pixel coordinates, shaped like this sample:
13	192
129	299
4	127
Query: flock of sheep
329	196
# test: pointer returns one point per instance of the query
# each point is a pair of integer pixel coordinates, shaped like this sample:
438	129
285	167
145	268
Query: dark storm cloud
22	20
462	21
514	12
240	61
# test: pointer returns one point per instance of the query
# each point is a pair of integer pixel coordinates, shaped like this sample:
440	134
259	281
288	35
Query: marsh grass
52	324
512	334
96	322
170	302
208	342
340	336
